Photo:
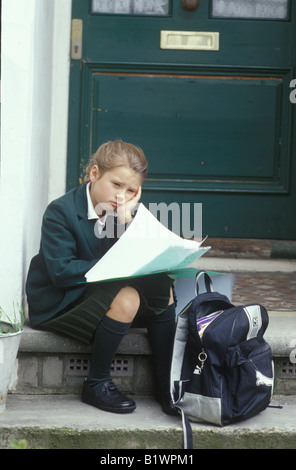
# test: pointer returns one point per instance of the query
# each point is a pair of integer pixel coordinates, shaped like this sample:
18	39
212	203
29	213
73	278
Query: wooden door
205	93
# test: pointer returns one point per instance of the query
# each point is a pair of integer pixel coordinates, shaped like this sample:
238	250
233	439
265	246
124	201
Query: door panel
217	126
125	104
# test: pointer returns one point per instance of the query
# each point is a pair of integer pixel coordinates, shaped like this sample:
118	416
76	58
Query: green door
206	93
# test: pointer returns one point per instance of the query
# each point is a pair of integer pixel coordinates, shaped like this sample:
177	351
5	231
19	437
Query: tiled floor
276	291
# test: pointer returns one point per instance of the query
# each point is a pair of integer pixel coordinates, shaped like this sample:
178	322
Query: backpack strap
177	385
208	282
181	337
187	429
187	432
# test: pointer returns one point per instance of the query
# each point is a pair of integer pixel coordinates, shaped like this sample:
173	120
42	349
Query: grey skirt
81	320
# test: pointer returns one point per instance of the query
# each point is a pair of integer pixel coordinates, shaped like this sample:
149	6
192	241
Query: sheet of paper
146	247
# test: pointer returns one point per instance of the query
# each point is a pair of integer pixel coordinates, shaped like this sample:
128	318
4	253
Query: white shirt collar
91	213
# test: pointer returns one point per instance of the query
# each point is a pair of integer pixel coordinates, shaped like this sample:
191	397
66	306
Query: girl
59	299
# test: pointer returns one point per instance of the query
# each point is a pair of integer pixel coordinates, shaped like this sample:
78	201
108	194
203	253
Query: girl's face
114	188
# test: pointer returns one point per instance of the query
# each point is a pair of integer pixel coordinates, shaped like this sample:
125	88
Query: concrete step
248	248
252	265
48	363
44	405
64	422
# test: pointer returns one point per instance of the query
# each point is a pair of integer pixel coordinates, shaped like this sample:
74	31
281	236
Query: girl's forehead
125	174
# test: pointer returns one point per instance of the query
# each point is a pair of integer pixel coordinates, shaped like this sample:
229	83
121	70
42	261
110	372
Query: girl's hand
124	210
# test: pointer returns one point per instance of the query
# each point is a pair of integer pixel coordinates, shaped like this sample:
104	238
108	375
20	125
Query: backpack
222	368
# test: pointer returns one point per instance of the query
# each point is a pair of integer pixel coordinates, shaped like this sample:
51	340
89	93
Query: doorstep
251	248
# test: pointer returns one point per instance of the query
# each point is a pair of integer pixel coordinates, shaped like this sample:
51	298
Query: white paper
146	247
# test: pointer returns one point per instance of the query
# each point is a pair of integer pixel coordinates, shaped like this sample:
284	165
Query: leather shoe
107	398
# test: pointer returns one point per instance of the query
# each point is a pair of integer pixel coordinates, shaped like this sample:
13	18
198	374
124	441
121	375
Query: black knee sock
161	331
107	338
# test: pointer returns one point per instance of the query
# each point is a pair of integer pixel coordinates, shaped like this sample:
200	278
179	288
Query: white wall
35	76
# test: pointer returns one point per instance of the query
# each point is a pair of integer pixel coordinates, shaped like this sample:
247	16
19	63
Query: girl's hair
118	153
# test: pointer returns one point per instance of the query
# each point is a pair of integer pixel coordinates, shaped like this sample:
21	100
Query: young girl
60	300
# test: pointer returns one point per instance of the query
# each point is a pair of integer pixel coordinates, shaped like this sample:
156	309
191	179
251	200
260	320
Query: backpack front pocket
248	380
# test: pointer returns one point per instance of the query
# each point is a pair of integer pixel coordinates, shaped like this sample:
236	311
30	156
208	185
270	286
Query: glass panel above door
131	7
257	9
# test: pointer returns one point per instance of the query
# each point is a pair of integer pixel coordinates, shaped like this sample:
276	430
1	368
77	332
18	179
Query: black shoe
107	398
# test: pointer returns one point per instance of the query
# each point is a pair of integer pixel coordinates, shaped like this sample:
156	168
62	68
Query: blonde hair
118	153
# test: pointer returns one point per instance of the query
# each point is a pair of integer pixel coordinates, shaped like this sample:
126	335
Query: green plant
21	444
11	325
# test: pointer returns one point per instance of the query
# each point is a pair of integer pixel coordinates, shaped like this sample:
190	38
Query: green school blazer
68	249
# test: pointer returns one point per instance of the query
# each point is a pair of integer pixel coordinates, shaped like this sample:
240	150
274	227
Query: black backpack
222	368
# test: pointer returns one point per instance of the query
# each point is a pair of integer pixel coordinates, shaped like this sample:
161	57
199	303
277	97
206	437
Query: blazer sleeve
66	256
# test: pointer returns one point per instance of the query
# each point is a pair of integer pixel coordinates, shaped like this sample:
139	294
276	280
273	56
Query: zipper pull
202	357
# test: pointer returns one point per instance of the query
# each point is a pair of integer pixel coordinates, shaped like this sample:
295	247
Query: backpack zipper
202	357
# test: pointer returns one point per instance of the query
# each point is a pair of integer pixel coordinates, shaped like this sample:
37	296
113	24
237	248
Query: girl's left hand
124	211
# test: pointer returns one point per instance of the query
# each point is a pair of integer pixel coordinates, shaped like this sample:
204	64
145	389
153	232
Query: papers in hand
146	247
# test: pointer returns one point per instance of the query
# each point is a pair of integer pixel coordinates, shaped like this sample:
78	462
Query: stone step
48	363
251	265
248	248
64	422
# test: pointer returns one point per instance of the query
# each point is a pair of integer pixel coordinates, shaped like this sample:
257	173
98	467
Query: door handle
190	5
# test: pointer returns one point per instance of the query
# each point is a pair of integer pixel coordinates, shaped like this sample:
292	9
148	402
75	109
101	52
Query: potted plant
10	336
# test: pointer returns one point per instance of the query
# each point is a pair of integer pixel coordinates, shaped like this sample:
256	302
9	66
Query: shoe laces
111	387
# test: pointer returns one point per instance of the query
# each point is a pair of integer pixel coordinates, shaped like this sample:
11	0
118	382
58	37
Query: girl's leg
108	336
110	333
161	331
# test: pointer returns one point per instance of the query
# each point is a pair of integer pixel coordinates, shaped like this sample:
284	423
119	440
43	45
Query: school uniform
58	297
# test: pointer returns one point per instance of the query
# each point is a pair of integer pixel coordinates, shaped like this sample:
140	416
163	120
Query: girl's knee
130	300
125	305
